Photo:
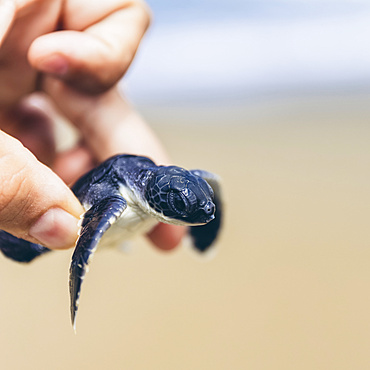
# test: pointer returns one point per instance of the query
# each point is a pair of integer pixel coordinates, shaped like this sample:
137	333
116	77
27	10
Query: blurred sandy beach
288	289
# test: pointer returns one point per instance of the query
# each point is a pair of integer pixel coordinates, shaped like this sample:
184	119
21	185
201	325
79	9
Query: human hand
77	69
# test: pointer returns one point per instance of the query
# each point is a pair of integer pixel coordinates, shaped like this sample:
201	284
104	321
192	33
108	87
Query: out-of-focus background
274	97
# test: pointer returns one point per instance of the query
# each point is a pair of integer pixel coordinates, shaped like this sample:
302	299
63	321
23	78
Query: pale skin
73	72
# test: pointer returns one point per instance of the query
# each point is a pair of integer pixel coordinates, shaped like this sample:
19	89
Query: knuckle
15	191
13	199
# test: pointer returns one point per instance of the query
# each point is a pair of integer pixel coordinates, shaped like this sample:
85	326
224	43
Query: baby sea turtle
127	195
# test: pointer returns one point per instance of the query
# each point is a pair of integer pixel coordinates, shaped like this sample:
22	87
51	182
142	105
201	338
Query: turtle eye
178	202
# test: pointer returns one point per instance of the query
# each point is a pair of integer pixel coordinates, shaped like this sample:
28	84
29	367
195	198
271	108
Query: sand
288	288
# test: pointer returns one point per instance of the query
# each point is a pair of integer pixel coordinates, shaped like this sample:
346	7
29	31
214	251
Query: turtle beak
211	218
209	209
204	214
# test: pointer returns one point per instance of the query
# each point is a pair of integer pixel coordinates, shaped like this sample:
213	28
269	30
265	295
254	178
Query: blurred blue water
227	50
176	11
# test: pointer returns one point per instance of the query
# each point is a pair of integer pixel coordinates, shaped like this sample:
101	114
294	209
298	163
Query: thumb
35	204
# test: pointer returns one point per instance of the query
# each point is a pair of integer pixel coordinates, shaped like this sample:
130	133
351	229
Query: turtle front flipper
205	235
19	250
96	221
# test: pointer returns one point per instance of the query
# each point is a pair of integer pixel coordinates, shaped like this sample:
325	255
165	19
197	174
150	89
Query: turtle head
178	196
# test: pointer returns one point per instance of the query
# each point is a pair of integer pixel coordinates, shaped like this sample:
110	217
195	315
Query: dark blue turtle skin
171	194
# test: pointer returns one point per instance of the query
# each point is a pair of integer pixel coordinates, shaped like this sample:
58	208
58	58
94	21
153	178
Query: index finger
96	45
107	123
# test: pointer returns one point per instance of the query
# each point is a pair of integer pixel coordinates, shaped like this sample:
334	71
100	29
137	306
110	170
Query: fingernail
54	64
55	229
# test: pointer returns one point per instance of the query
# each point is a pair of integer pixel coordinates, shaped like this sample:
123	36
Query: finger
107	123
166	237
97	45
34	203
7	12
